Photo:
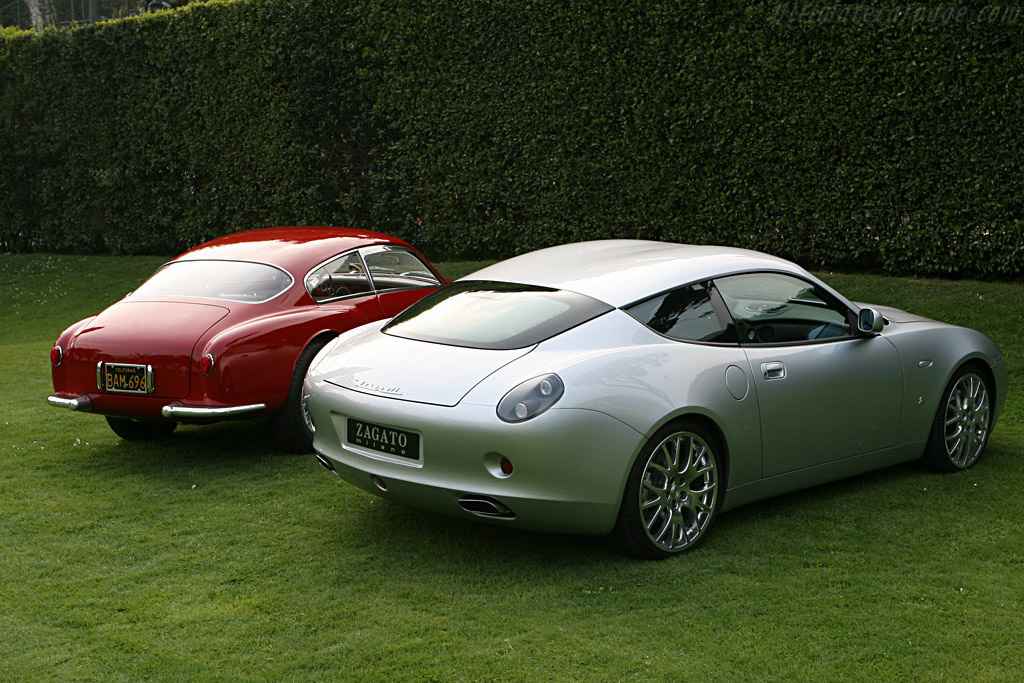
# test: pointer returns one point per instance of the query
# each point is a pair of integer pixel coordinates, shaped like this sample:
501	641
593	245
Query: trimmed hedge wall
150	135
488	128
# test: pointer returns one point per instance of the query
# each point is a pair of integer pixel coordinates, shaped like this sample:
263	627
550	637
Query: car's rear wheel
673	493
293	426
962	422
138	430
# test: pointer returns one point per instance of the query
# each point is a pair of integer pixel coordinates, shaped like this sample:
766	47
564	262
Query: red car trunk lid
161	334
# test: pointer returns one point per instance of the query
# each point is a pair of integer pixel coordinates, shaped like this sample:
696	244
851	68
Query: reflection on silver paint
621	272
829	407
633	373
414	371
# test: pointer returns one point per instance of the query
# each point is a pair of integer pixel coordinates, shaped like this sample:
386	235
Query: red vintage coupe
228	329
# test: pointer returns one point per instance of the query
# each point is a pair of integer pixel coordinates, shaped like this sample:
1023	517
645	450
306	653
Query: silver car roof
620	272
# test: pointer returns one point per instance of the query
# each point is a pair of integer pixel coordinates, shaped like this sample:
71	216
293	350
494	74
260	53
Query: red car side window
344	276
397	268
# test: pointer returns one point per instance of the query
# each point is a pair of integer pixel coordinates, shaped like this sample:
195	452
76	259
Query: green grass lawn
211	555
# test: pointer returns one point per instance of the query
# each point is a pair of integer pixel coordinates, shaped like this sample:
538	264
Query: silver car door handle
773	370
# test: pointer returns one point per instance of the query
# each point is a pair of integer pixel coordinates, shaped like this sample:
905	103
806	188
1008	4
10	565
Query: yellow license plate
128	379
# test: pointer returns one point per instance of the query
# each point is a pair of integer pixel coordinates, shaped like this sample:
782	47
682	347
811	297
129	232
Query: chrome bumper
180	412
79	403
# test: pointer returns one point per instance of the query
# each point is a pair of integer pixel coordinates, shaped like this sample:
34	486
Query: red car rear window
241	281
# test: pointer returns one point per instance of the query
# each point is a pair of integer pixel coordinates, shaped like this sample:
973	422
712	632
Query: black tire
673	513
962	422
292	427
139	430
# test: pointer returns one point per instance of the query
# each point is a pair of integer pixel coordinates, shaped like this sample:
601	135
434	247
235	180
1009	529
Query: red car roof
296	249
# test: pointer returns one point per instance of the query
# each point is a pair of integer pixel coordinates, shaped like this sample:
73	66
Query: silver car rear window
241	281
494	315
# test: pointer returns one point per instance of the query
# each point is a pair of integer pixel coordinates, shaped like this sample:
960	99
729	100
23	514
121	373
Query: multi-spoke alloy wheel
678	491
966	420
962	423
672	494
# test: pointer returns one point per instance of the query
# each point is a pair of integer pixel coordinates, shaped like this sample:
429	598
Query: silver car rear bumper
569	466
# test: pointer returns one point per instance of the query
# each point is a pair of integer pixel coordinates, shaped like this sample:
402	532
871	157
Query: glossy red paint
294	249
255	345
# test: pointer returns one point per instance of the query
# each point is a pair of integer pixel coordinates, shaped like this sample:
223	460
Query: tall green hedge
490	127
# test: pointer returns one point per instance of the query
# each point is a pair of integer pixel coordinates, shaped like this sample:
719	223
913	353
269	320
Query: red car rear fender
255	360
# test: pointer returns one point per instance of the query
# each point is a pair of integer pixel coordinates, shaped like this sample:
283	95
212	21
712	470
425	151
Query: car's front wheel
293	426
673	493
962	422
138	430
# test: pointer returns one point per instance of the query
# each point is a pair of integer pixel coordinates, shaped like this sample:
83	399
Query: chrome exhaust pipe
326	464
485	506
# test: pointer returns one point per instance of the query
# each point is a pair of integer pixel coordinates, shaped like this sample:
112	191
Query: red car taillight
56	355
206	364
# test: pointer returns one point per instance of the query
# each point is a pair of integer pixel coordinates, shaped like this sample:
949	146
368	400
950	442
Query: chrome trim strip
99	376
179	412
79	403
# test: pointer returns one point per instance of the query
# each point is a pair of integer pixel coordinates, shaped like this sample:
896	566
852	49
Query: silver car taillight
531	398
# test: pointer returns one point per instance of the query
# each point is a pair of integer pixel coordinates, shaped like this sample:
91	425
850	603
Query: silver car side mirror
870	321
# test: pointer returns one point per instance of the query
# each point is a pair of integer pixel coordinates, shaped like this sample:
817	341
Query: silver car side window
774	308
686	314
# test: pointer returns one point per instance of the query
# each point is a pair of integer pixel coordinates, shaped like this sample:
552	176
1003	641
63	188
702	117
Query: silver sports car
639	389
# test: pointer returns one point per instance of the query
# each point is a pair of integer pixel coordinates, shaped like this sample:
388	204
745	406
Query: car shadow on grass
211	449
820	516
396	533
886	505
